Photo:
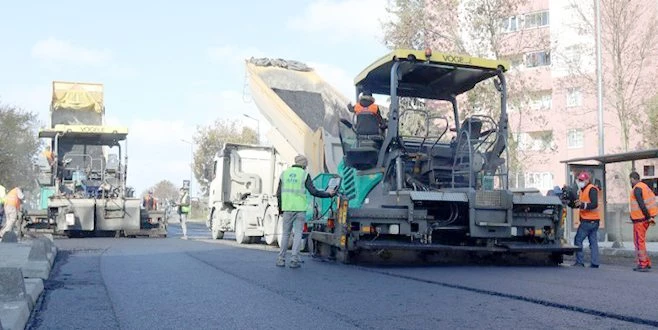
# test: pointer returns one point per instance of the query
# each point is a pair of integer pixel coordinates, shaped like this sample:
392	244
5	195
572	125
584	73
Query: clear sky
169	66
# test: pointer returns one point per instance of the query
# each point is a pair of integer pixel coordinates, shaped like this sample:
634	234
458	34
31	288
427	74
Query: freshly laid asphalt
134	283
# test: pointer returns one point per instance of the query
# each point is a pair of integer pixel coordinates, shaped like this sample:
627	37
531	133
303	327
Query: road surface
107	283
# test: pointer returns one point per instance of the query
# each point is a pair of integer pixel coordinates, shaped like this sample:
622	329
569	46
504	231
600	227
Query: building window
541	101
535	20
536	59
535	141
575	138
539	180
516	60
510	24
574	97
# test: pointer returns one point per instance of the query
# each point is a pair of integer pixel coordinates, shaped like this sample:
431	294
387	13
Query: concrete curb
619	252
23	268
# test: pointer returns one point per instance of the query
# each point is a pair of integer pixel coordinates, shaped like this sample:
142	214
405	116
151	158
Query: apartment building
552	55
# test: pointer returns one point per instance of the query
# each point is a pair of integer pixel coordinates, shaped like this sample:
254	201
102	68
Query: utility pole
599	75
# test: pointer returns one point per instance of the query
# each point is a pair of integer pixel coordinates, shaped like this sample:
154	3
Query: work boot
578	264
280	262
594	266
294	263
641	269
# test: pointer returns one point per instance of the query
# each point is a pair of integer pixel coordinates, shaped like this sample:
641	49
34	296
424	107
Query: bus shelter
596	166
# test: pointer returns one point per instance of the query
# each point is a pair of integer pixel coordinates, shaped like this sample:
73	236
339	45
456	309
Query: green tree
19	147
209	141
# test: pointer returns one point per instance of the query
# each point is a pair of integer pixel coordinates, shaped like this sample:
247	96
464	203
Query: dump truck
304	111
438	189
84	190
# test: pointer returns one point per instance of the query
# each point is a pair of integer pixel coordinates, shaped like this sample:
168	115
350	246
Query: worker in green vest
291	197
183	210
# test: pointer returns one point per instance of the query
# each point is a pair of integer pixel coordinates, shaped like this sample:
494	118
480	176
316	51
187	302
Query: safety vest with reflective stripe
584	197
358	108
185	204
649	201
293	190
12	199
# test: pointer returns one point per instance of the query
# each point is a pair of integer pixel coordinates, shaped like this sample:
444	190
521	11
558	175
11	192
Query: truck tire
240	236
269	226
217	234
279	234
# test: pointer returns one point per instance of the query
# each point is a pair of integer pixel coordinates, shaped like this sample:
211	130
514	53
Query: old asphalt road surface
106	283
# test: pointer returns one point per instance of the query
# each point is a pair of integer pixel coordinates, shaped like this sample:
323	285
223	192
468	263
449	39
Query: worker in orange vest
367	104
13	201
643	209
590	217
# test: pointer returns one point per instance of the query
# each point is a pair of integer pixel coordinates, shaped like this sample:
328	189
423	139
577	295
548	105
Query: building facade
551	47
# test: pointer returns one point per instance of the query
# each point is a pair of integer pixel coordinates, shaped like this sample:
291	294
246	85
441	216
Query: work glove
577	203
652	222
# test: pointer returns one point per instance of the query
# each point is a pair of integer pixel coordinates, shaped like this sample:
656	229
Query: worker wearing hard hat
643	209
291	197
367	104
590	216
13	201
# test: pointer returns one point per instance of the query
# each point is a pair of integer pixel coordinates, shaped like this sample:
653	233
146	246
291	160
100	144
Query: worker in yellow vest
291	197
13	201
183	210
643	210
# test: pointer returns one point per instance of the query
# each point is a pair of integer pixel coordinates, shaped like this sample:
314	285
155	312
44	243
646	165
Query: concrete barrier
24	266
15	303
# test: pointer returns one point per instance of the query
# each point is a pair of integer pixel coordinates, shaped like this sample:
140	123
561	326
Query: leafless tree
629	52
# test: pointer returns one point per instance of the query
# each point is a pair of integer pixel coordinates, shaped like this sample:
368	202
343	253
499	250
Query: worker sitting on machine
366	105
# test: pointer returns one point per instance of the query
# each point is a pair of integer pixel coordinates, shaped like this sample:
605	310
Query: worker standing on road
643	209
13	201
183	210
590	218
291	197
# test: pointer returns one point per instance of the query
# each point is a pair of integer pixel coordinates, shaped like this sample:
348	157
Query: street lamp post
191	169
599	75
257	126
